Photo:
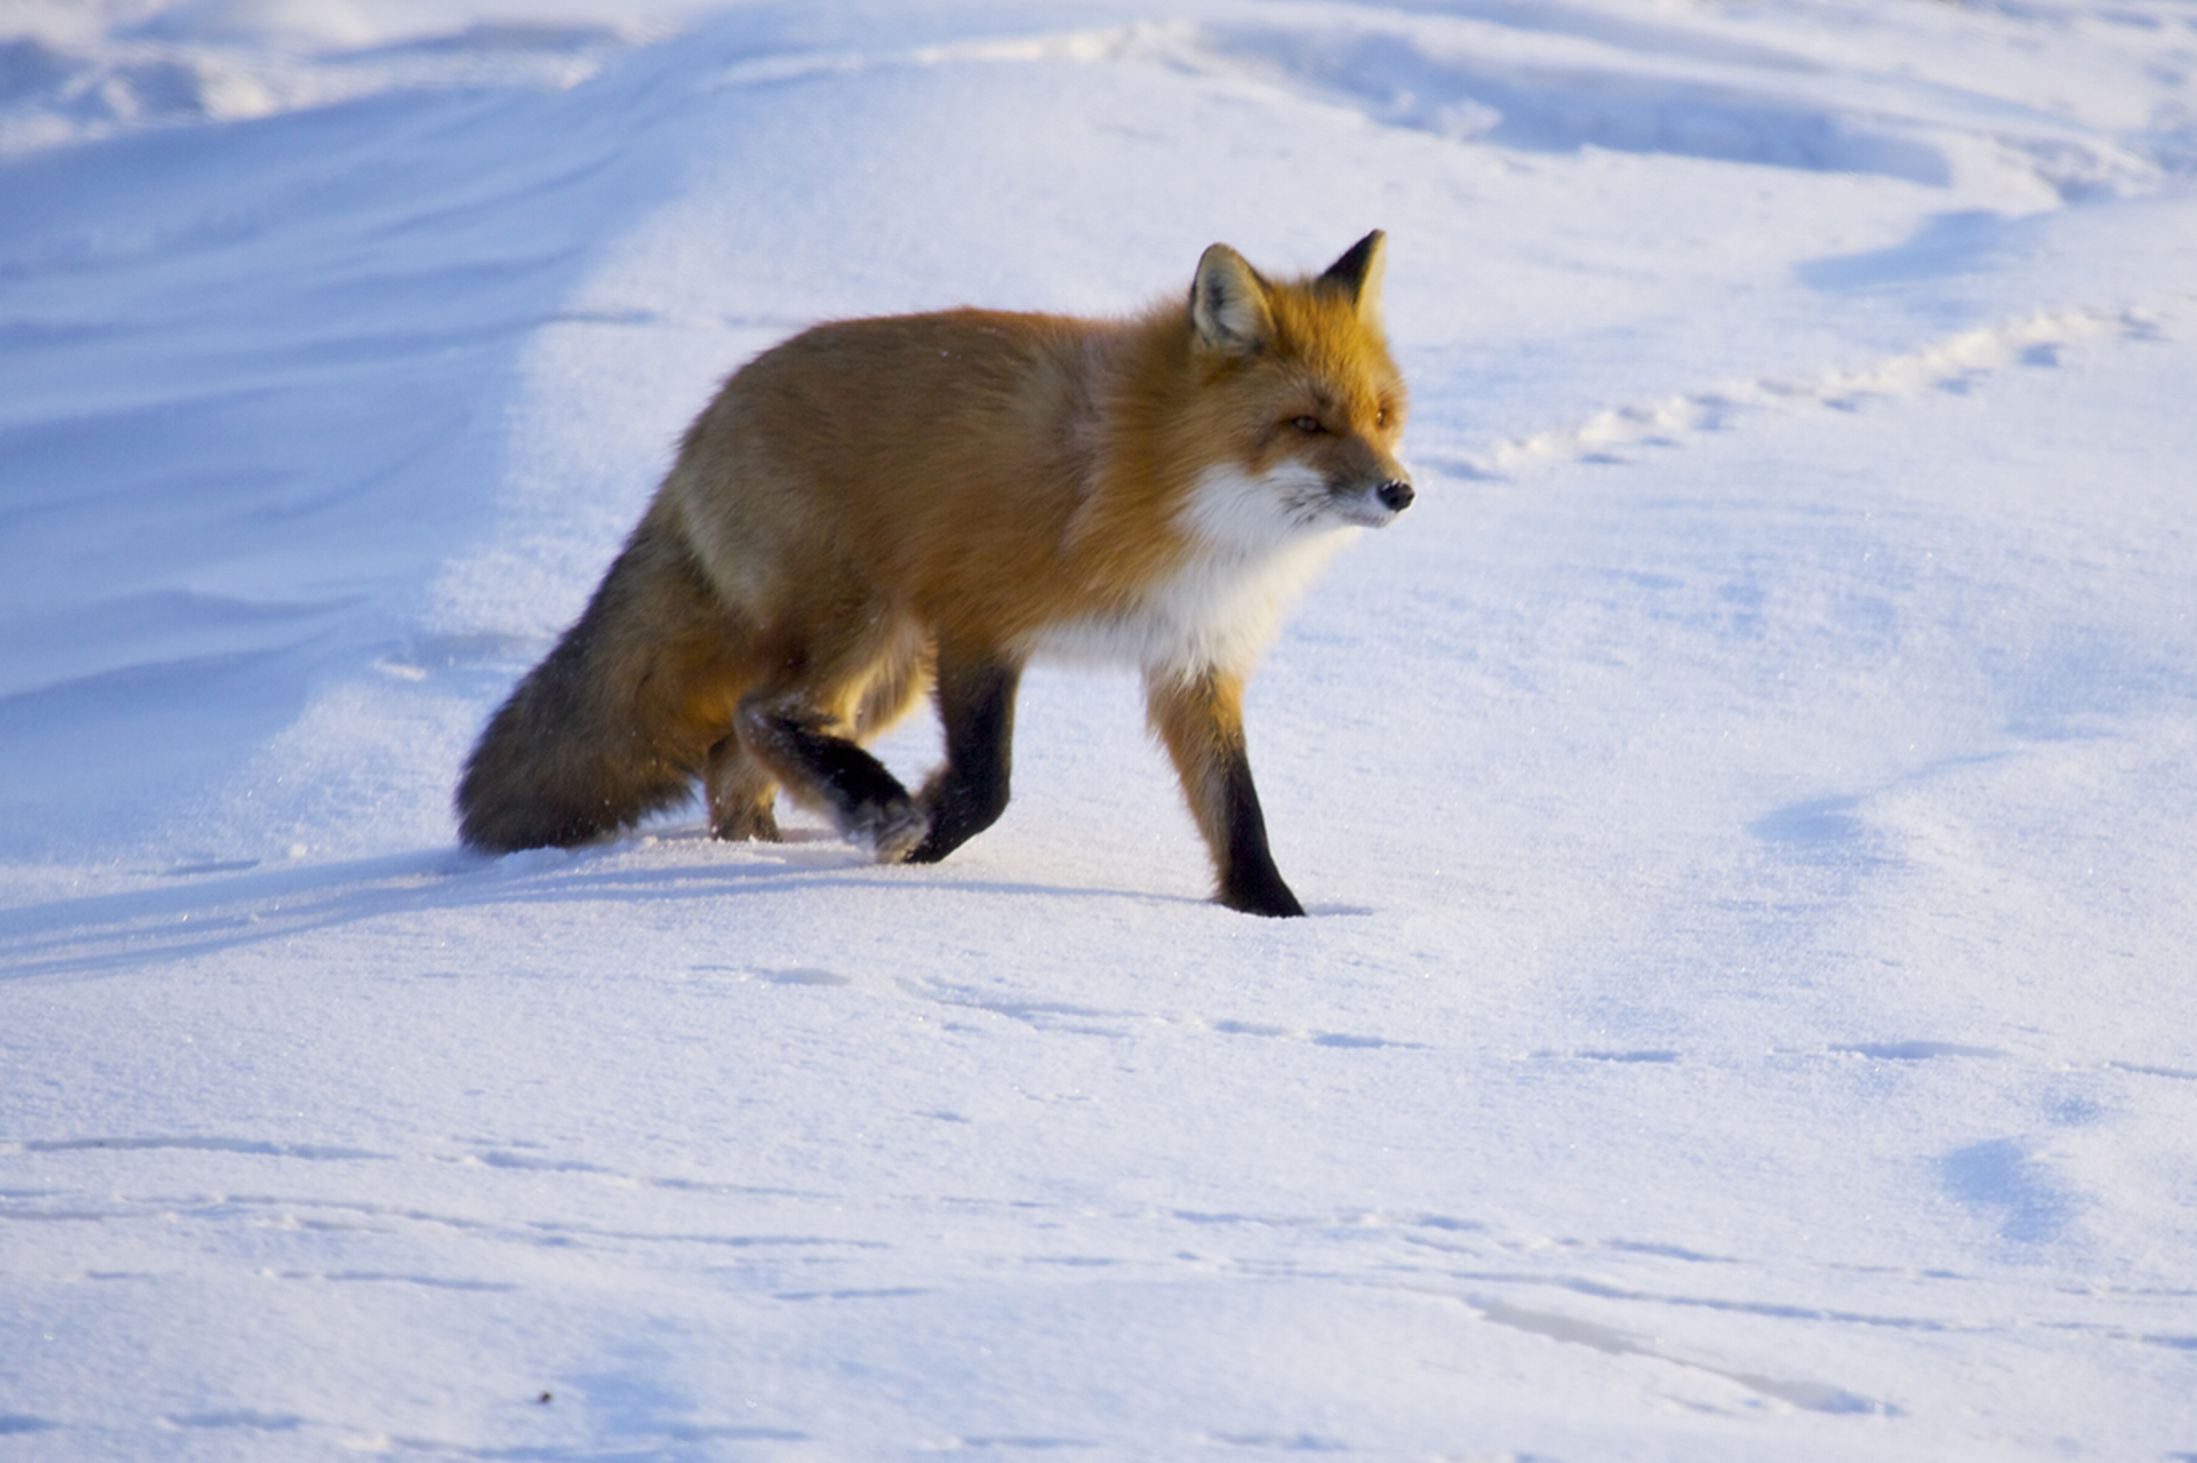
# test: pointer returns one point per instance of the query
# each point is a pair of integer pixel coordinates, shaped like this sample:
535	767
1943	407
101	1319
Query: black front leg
1200	718
1249	881
976	701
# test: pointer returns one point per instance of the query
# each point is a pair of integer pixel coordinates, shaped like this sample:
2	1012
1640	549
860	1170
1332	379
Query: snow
1746	804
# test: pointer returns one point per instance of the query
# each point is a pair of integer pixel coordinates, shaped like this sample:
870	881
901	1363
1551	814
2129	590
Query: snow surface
1748	804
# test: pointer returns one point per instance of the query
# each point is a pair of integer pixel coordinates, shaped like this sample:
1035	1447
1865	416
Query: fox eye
1307	424
1380	418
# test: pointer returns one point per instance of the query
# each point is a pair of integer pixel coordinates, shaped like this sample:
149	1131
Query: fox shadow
214	908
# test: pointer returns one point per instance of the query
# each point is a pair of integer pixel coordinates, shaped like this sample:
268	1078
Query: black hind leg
976	700
802	749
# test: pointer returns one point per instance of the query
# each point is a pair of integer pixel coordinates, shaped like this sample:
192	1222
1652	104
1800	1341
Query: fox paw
890	830
756	824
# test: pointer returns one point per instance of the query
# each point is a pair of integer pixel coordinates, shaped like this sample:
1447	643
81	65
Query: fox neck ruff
1251	543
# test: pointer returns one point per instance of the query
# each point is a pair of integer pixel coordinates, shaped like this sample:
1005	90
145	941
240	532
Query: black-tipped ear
1228	310
1359	271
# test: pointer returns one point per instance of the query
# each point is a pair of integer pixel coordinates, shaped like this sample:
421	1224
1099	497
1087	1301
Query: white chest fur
1255	543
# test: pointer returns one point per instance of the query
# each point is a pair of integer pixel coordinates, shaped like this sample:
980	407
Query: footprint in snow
1956	363
1343	1039
2000	1179
806	975
1913	1051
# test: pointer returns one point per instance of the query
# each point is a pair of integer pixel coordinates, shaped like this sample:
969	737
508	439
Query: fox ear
1228	310
1359	271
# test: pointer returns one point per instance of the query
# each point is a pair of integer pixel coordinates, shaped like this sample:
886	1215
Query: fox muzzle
1371	505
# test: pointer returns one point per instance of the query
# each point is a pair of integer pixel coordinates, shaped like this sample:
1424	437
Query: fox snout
1372	505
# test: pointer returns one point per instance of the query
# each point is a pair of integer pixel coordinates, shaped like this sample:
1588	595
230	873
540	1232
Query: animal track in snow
1814	1396
252	1146
806	975
1343	1039
2178	1074
526	1162
265	1422
1279	1442
2002	1182
1954	363
1064	1016
390	1277
1019	1442
1913	1051
1041	1015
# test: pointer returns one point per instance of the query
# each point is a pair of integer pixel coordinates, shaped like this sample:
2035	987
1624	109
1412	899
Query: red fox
877	507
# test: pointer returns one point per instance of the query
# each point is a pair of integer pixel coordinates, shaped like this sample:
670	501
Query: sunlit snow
1748	805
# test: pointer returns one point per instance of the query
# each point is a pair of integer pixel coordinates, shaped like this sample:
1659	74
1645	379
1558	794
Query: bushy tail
585	745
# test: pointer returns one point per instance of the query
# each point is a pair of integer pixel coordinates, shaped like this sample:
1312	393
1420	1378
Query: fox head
1303	397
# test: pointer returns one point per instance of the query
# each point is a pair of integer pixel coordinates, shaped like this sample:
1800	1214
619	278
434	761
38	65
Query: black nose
1395	496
